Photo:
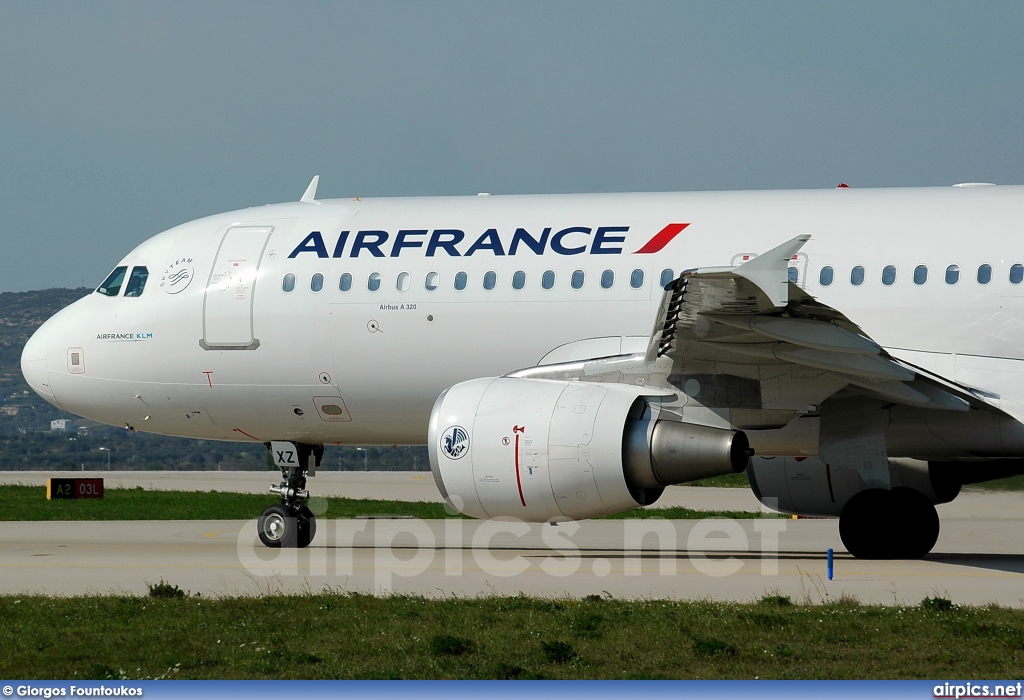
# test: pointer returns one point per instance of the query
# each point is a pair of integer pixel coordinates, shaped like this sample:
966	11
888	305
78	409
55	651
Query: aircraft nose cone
33	364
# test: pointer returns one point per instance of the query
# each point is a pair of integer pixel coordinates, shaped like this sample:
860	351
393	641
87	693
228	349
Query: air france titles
573	240
124	337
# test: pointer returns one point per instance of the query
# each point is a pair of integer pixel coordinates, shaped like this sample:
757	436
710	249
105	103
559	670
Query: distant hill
21	313
27	443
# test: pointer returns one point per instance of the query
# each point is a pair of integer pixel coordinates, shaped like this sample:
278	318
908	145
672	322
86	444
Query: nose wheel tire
307	524
881	524
281	526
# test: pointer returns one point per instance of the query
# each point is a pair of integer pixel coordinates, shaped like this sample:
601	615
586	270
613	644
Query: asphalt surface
977	560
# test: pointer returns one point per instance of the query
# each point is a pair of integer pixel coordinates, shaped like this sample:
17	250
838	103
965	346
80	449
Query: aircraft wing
747	340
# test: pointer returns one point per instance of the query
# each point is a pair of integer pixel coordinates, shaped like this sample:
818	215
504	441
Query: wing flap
800	331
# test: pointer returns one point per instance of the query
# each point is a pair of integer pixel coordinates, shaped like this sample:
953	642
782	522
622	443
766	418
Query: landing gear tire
881	524
277	527
307	526
280	526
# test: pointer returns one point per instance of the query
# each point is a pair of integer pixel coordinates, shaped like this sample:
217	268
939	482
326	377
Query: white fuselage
214	346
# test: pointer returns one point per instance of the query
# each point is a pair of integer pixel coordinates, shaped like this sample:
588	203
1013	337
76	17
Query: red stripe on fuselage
662	238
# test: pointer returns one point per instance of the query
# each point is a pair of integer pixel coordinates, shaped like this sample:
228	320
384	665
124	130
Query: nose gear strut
291	523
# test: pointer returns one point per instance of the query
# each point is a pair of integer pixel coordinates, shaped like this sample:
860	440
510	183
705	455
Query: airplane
857	352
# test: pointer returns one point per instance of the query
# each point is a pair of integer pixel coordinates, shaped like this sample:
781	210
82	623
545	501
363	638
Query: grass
1010	483
680	513
357	636
734	481
28	503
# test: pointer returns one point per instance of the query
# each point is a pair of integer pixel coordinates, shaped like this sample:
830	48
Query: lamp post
363	450
107	450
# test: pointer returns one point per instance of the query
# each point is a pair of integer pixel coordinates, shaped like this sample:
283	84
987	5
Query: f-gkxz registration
858	352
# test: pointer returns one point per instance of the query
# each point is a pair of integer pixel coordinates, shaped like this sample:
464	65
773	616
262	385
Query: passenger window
636	279
430	283
985	274
288	283
490	279
952	274
577	279
827	276
317	283
888	275
666	277
920	274
1016	273
373	282
519	280
111	286
402	284
460	280
793	274
137	282
345	283
857	276
547	280
607	279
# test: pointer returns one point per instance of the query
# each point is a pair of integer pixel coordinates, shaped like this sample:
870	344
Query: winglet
770	271
310	194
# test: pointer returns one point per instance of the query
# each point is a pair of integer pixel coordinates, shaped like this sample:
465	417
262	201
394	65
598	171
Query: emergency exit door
227	304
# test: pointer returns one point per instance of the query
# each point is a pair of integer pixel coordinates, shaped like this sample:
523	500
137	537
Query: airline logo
177	276
455	442
573	240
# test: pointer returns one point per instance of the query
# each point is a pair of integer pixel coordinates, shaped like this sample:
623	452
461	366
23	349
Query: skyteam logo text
573	240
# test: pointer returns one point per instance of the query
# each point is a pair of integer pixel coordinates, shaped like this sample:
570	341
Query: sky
122	119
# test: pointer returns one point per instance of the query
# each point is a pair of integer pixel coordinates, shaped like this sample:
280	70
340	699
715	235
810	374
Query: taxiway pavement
977	560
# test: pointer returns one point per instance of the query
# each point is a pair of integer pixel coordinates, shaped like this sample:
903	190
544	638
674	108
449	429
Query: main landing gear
291	524
897	524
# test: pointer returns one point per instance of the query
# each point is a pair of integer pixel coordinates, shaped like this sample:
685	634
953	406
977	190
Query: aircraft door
797	270
228	299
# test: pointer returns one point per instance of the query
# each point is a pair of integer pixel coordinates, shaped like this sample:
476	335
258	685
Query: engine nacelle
542	450
807	486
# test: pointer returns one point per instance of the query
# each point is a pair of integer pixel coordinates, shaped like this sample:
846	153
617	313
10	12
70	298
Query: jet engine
542	450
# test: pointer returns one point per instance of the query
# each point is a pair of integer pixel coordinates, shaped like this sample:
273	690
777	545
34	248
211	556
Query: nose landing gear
291	524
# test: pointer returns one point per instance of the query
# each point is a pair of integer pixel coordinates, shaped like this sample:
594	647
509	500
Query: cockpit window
137	282
112	285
